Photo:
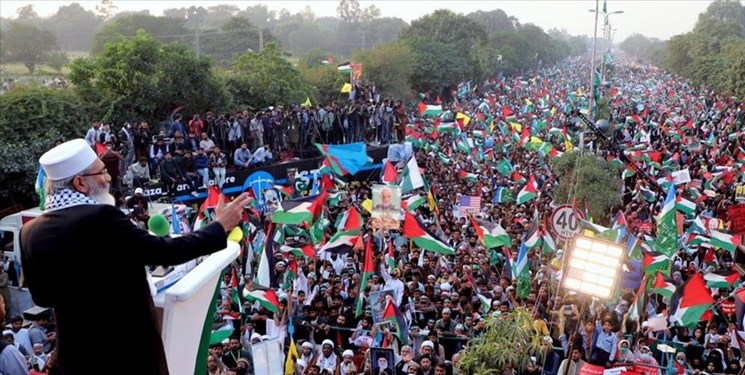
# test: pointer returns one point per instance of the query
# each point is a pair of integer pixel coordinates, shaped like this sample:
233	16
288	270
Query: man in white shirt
21	334
393	282
262	156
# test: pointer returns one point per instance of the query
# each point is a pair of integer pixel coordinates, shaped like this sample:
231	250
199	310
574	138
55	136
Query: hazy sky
660	19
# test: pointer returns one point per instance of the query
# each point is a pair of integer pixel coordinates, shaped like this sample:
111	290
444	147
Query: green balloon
158	224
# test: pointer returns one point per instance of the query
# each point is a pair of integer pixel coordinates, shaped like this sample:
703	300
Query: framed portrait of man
386	207
382	361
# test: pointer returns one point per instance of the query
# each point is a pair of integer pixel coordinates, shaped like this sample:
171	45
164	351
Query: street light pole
592	77
606	36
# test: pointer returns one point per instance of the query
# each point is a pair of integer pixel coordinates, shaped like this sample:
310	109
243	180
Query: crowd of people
657	118
488	142
195	150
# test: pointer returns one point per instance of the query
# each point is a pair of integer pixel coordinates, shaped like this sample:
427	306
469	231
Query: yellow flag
463	116
367	204
534	139
553	111
291	358
307	102
528	102
491	127
579	91
568	146
346	88
516	126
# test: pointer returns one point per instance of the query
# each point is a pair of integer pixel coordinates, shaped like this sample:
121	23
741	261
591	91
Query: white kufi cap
67	159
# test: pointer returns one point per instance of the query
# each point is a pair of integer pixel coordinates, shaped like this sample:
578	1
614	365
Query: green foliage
325	79
443	43
30	120
265	78
591	179
495	20
389	66
507	342
141	78
709	55
57	60
27	44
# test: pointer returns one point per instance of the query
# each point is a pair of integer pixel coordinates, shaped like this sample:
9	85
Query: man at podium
80	226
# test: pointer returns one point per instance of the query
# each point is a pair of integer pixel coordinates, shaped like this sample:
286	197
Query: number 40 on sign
565	221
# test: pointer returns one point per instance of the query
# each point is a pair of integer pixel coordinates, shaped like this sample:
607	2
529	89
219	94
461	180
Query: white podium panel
185	306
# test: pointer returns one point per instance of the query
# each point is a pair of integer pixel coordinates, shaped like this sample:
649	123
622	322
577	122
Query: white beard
100	194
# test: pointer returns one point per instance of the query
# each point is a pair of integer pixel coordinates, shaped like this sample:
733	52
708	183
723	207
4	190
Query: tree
390	66
106	9
27	14
28	44
495	20
444	44
57	60
265	78
591	179
47	114
74	27
508	342
140	78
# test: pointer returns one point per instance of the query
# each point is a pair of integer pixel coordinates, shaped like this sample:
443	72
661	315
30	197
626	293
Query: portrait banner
386	207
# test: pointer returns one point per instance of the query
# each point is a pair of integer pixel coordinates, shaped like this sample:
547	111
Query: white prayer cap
264	337
302	363
428	343
308	345
67	159
255	336
327	342
225	342
347	353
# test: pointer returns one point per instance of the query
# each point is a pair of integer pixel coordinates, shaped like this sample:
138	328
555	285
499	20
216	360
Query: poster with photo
382	361
378	303
386	207
271	199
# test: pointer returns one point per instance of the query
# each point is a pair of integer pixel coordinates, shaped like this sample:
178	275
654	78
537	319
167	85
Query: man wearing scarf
80	224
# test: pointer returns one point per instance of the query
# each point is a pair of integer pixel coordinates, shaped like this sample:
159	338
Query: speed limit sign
565	221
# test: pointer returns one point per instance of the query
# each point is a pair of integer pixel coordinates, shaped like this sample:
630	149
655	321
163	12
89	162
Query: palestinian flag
411	177
502	195
368	268
722	279
690	302
533	236
298	211
491	234
443	158
528	192
549	245
663	285
695	240
237	300
647	195
341	242
517	178
485	302
351	221
393	315
448	127
299	250
429	110
653	261
203	216
221	334
267	298
469	177
724	240
685	206
697	226
628	172
414	201
389	174
421	236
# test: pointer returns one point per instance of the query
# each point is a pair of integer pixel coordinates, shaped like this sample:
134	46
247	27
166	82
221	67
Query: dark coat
88	263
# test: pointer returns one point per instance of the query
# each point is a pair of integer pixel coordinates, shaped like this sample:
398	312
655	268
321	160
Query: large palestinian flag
298	211
422	237
690	302
491	234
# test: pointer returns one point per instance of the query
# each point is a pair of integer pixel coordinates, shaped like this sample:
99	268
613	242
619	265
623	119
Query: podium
184	307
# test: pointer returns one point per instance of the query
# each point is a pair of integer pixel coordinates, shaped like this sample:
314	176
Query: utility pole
592	77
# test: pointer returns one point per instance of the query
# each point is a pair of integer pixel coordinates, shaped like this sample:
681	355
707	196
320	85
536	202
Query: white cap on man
68	159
